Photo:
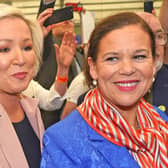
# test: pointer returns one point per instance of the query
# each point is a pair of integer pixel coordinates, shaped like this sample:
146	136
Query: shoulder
64	141
77	87
67	126
32	89
77	82
28	101
162	73
72	143
30	107
162	114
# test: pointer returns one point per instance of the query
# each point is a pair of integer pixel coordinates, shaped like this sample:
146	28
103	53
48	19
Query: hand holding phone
60	15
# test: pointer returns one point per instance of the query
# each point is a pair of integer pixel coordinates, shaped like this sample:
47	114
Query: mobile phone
44	4
148	6
60	15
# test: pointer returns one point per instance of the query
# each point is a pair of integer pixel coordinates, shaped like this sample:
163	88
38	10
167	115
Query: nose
19	56
127	67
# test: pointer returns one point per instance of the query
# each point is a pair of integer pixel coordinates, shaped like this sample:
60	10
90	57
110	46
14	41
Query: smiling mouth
127	84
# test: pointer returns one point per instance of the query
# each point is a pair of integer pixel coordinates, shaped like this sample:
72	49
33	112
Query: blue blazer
72	143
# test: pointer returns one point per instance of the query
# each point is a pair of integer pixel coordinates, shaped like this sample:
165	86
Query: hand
64	57
154	12
65	54
42	18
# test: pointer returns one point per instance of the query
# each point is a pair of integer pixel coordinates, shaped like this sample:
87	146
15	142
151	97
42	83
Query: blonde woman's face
17	58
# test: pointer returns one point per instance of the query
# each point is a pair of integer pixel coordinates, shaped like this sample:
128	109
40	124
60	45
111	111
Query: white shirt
77	87
48	99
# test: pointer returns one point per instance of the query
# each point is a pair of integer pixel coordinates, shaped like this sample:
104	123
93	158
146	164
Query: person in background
58	32
48	99
78	88
114	126
21	126
160	88
47	72
163	17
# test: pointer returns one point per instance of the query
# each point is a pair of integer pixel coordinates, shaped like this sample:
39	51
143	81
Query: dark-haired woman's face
124	67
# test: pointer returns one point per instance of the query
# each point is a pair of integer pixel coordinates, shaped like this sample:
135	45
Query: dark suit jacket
160	88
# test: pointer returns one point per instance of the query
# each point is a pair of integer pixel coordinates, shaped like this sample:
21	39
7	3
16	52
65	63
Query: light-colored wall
101	8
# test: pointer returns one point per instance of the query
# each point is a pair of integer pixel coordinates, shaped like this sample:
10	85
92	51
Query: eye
27	48
112	59
4	50
139	57
161	38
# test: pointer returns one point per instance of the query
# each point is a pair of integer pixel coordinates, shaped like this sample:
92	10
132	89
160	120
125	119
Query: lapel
32	111
9	142
116	156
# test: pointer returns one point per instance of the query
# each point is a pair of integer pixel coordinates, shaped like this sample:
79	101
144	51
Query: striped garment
148	144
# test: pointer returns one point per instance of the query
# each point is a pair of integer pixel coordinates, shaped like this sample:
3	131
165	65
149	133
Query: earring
153	80
94	82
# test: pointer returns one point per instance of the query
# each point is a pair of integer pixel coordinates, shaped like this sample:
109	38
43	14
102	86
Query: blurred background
99	8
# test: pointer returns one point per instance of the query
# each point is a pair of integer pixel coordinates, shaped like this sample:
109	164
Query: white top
48	99
77	87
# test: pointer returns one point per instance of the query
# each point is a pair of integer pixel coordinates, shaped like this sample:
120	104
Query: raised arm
163	17
52	99
64	57
42	18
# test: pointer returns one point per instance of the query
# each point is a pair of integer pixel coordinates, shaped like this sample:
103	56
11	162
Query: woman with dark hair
114	126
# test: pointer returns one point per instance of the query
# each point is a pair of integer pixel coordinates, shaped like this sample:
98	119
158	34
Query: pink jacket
11	152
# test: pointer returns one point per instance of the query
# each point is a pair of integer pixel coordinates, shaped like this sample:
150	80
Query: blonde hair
7	11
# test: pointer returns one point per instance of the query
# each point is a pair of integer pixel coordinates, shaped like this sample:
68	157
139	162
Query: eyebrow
141	50
159	30
116	53
112	52
9	40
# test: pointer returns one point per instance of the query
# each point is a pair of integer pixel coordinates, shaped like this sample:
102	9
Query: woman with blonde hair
21	126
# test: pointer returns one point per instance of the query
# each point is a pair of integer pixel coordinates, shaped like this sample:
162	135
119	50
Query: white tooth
127	84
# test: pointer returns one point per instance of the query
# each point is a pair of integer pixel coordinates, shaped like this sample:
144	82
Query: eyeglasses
161	38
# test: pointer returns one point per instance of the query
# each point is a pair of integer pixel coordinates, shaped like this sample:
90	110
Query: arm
69	106
64	53
64	57
163	17
48	99
42	18
52	99
76	88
